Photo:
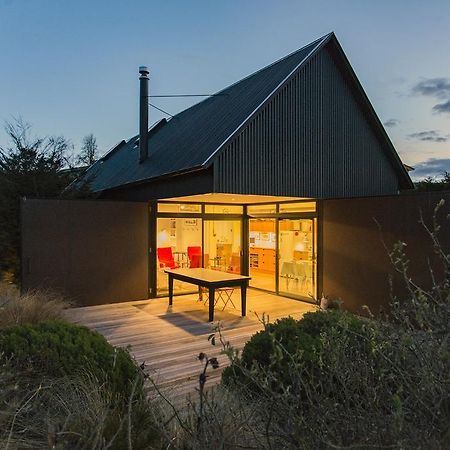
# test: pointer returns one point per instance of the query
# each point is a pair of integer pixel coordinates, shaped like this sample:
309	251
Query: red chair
195	257
165	258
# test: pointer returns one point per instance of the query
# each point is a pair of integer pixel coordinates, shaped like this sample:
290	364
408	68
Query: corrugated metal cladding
311	140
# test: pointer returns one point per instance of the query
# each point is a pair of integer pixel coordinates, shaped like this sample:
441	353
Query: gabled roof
190	140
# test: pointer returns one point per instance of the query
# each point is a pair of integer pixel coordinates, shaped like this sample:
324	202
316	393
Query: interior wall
92	251
356	267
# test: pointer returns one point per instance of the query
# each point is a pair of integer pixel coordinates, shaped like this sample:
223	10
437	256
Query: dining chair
165	258
195	257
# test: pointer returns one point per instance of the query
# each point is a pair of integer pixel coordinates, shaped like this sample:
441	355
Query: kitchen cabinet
262	259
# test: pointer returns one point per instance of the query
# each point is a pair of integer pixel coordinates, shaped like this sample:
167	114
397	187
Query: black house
240	182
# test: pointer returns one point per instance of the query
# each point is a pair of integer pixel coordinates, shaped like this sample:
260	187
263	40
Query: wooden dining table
211	280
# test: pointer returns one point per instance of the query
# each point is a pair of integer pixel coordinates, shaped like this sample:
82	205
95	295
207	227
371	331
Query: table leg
200	294
211	304
170	289
244	299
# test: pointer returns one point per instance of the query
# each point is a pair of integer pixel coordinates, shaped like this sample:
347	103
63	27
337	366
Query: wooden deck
169	339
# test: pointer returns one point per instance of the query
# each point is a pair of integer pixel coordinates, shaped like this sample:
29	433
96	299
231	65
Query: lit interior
296	261
214	242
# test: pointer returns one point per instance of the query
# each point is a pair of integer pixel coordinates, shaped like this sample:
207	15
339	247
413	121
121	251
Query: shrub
31	307
286	340
327	369
57	349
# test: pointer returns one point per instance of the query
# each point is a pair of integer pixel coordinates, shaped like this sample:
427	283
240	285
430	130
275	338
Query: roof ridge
275	62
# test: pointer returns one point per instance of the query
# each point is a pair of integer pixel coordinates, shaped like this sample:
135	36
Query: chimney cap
143	70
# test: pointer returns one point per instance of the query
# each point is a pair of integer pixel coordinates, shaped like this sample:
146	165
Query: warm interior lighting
163	238
228	198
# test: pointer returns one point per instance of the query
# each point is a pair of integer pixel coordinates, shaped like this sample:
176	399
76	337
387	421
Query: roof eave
152	179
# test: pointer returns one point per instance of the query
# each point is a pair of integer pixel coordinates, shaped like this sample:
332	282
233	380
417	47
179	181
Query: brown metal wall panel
311	140
94	252
355	264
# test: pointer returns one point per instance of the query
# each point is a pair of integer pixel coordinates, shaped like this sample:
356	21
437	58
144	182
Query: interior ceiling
231	198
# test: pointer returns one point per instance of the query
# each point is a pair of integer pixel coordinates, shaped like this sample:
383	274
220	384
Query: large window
223	209
181	208
298	207
282	240
262	209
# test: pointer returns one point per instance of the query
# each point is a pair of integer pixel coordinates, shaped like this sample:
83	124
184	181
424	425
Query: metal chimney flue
143	113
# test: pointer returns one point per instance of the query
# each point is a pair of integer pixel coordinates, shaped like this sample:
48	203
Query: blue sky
70	67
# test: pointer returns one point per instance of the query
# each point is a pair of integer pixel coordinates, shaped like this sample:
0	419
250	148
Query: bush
31	307
57	349
286	340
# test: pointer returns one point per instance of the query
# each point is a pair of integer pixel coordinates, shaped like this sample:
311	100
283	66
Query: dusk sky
71	67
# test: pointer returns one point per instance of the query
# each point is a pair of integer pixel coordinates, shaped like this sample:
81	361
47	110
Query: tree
29	166
433	184
88	154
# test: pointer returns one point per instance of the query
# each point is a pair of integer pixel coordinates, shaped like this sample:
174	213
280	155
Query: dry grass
31	307
76	412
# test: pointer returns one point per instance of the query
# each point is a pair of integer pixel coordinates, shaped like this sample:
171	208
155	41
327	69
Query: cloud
433	87
428	136
433	167
438	88
391	123
442	107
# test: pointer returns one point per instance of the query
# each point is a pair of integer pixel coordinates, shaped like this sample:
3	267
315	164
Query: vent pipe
143	113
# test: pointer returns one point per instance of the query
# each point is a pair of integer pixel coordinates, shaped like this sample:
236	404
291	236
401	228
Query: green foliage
57	349
286	340
433	184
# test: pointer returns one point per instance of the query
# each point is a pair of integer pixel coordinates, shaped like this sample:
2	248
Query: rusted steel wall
93	252
355	264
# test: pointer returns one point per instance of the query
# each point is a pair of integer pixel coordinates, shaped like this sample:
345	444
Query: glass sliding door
222	240
297	258
179	244
262	253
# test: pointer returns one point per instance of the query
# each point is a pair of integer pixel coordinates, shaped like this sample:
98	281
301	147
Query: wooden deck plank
169	339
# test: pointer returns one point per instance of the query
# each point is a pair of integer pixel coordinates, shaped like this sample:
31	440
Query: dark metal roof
189	139
192	139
